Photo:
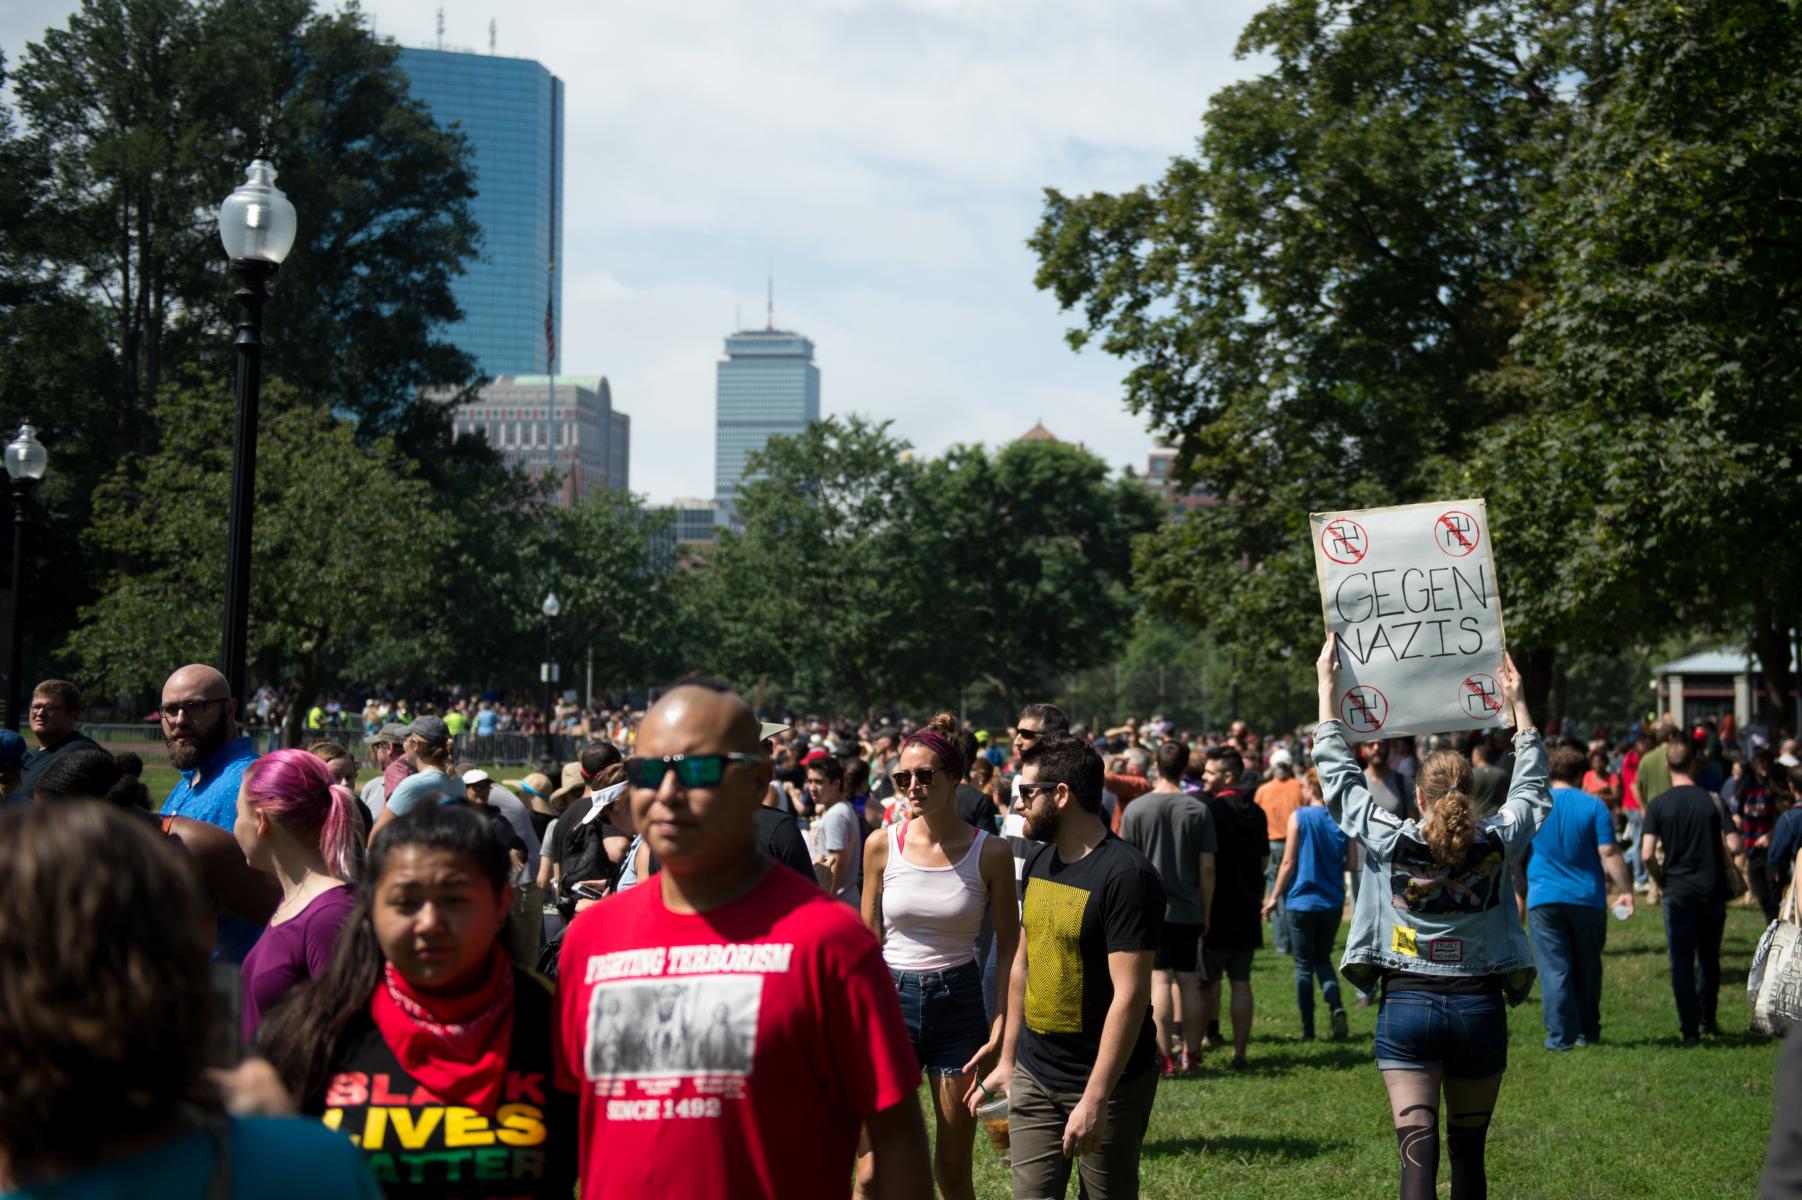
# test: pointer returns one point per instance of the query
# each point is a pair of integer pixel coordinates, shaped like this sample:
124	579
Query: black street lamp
25	462
550	609
257	225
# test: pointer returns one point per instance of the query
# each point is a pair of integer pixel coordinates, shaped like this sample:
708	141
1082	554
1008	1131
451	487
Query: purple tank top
293	952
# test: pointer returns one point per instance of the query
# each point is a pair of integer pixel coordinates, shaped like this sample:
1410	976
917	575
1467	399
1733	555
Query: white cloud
888	154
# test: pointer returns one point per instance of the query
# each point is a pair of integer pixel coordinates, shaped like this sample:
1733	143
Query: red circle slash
1364	709
1344	541
1481	697
1456	533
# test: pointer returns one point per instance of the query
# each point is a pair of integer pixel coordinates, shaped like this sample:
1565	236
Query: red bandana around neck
456	1047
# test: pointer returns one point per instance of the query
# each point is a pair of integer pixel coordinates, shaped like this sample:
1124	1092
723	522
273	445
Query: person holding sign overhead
1434	924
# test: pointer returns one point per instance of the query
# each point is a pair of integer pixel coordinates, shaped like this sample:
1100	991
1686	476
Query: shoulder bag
1730	873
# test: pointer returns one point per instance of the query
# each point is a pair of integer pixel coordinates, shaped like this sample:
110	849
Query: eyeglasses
1033	789
1027	735
40	709
188	708
692	770
905	779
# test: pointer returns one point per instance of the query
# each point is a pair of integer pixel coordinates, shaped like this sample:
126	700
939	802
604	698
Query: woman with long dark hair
106	1013
1434	925
422	1025
297	824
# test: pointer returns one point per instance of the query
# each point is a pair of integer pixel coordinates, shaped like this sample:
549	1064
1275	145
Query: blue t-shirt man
209	793
485	722
1566	867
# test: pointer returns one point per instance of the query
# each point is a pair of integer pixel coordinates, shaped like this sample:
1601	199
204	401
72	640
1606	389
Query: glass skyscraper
766	386
511	111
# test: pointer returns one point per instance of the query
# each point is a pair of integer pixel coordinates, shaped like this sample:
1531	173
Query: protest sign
1411	592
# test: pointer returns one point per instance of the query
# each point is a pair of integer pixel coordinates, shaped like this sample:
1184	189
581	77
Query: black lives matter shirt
419	1147
1073	916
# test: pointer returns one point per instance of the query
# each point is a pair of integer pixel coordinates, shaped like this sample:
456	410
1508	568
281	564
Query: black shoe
1341	1030
1690	1039
1239	1064
1711	1030
1307	1035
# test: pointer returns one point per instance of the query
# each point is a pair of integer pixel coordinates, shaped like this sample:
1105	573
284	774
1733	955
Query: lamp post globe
26	461
257	226
550	608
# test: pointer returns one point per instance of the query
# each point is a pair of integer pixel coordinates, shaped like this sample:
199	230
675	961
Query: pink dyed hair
295	789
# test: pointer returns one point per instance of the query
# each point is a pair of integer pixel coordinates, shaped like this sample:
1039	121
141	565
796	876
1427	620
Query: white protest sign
1411	592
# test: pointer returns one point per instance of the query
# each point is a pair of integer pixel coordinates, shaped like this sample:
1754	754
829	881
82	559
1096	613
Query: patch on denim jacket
1446	950
1418	884
1401	940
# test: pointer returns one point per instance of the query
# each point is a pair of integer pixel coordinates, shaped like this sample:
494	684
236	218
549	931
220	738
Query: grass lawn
1637	1116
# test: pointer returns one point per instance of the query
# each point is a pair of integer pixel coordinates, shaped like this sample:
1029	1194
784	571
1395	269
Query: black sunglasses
692	770
1033	789
1027	735
905	779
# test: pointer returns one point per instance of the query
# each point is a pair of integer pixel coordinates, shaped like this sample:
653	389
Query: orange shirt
1278	798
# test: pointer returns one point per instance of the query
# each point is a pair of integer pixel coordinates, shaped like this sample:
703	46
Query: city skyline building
511	112
571	428
1160	466
766	386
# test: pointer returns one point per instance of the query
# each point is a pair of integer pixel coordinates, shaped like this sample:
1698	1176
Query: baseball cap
393	731
430	729
476	775
814	756
12	748
982	737
1280	758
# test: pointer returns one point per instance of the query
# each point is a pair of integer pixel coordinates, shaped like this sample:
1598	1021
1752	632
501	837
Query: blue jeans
1465	1036
1311	937
1635	822
1692	929
1279	929
943	1012
1567	943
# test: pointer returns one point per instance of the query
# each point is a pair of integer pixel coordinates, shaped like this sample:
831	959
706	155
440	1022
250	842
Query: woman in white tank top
928	882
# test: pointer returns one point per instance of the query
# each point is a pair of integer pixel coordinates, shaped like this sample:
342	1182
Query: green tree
830	589
1312	302
318	608
1027	551
1657	380
619	585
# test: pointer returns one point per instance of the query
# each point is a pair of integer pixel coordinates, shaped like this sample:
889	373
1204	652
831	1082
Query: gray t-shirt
838	829
424	787
1393	794
1173	830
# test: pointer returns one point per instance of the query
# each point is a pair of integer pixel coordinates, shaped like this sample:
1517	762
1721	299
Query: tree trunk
312	674
1770	641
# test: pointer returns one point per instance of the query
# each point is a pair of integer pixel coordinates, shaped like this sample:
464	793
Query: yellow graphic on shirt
1403	942
1053	921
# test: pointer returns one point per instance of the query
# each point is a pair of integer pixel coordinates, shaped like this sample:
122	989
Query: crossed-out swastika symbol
1364	709
1456	533
1344	541
1480	695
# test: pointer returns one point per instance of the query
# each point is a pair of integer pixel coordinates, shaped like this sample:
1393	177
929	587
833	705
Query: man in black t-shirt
1079	1062
1690	823
1236	921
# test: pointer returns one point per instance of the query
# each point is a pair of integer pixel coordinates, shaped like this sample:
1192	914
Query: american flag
550	338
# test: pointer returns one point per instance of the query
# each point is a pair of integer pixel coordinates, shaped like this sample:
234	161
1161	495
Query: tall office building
767	385
511	110
574	430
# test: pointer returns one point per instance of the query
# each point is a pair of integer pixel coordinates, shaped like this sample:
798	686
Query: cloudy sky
887	155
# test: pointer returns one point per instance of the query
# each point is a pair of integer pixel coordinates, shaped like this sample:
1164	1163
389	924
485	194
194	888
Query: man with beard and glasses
55	708
200	728
1078	1059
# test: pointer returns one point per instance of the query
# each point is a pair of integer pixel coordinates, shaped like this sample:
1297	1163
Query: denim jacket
1412	914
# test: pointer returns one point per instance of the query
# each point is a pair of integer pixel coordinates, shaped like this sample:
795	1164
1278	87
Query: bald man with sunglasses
811	1018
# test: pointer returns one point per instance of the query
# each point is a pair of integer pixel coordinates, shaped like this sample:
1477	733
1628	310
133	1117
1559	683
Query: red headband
939	744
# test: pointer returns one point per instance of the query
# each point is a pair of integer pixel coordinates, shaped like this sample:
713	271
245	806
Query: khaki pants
1036	1120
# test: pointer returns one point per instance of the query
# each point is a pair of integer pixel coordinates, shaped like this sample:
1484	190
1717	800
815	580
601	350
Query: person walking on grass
1235	926
1172	828
1574	858
1434	926
1311	879
1078	1060
1693	827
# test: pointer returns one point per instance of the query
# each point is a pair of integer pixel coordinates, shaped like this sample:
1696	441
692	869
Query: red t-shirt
703	1046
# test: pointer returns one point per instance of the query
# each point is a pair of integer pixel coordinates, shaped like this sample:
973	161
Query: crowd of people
641	971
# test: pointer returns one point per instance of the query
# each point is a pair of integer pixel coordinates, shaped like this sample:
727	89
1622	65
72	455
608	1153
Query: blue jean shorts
944	1014
1465	1036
